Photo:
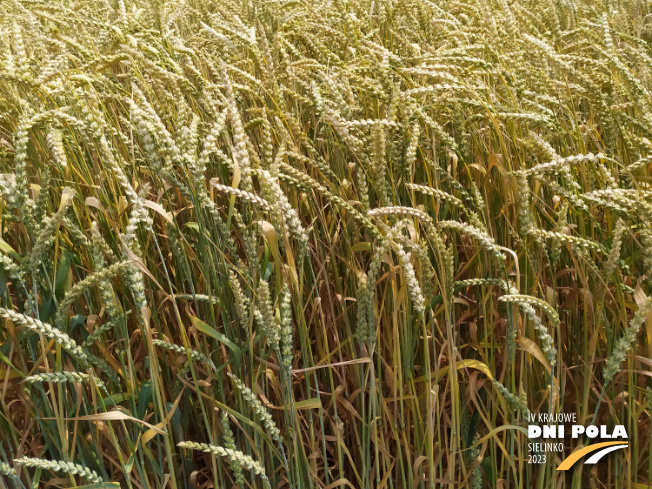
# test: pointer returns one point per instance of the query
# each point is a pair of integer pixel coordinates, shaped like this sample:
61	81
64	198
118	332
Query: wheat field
322	244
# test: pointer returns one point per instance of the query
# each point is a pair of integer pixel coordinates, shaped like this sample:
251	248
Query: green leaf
144	398
5	248
362	246
117	398
8	362
202	327
47	307
313	403
62	274
100	485
76	321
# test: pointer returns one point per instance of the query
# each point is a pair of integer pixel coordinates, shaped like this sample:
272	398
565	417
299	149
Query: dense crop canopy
317	244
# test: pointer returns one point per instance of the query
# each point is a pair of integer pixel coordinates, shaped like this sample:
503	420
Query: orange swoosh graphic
578	454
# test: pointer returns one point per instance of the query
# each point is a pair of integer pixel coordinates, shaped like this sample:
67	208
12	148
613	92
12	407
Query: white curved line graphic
595	458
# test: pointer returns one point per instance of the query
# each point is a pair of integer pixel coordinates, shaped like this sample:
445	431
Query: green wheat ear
64	376
95	279
234	456
229	443
258	408
60	466
615	360
46	330
195	355
7	470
